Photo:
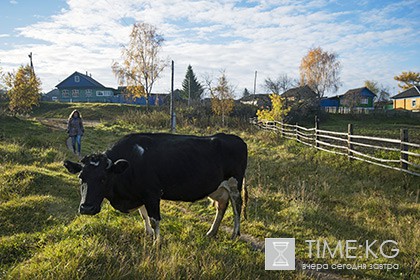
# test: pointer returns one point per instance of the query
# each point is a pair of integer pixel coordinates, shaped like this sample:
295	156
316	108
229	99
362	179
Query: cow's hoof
235	235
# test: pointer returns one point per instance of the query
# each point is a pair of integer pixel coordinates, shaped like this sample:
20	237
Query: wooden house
358	98
79	87
408	99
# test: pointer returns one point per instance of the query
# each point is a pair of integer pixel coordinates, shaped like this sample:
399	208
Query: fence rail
396	154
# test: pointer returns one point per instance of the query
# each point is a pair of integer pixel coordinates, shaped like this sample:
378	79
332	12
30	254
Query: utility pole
255	82
172	107
32	65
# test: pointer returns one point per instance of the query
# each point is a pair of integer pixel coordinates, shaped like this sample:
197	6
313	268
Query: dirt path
61	124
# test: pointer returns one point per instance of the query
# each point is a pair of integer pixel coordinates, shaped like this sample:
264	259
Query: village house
408	99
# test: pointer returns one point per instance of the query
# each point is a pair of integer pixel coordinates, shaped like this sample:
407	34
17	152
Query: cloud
268	36
14	2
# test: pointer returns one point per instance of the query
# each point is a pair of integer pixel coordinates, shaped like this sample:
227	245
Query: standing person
75	130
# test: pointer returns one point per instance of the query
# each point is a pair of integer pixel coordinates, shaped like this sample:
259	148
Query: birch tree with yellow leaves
320	70
141	64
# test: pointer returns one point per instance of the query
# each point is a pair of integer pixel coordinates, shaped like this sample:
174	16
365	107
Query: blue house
79	87
358	99
332	102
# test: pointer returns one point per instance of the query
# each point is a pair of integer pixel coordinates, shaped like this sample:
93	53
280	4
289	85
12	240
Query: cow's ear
119	166
72	167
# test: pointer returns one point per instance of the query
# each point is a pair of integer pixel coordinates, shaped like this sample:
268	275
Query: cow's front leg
153	211
145	216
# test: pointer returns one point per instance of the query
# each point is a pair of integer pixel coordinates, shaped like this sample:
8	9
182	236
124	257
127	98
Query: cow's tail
244	199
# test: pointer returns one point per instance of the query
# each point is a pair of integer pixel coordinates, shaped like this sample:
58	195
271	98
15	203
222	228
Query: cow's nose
88	209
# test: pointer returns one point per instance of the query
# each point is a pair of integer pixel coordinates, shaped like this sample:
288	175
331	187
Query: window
75	92
76	79
413	103
88	92
364	101
103	93
65	93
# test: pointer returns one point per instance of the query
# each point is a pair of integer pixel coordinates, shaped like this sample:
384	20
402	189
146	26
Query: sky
374	40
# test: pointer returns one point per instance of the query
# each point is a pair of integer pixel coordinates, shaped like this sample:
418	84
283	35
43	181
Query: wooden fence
398	154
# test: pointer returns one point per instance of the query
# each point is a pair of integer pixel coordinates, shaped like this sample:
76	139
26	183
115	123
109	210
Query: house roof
85	81
336	97
302	92
252	97
52	92
411	92
362	90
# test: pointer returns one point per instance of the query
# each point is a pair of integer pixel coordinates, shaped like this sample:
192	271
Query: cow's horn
109	163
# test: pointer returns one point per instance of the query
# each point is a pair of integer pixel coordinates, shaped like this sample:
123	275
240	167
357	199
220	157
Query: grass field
295	192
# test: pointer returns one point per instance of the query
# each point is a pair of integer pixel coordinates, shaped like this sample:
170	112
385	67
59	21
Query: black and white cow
141	169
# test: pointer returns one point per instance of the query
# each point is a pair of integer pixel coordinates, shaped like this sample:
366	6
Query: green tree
408	79
222	102
141	65
191	87
23	90
320	70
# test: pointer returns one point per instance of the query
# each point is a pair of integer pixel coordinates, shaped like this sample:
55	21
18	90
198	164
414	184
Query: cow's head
96	171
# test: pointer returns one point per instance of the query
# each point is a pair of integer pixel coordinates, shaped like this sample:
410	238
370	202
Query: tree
191	87
279	85
408	79
141	65
23	90
222	102
351	101
278	110
381	91
320	70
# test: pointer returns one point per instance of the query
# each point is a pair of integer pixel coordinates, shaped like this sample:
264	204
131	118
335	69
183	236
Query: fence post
404	147
349	144
281	129
316	131
296	130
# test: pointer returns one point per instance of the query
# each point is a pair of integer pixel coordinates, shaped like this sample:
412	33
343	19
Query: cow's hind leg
221	199
235	197
145	216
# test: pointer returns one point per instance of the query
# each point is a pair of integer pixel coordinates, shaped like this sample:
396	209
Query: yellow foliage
278	109
23	90
408	79
320	70
222	102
